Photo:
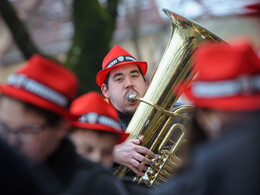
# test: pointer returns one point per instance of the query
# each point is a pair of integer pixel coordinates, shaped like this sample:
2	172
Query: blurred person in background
34	116
225	154
96	130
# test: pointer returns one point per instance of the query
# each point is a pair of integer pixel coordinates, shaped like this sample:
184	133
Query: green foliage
93	30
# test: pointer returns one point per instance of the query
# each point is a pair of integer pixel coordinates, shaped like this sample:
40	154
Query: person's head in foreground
34	107
121	73
97	129
226	90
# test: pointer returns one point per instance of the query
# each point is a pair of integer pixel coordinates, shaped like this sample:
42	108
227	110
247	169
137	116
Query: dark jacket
227	165
16	176
124	119
65	172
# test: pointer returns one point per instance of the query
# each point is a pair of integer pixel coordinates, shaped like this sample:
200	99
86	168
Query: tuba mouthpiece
131	97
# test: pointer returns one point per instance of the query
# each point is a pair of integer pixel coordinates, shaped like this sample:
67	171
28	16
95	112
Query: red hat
228	77
94	112
43	83
117	57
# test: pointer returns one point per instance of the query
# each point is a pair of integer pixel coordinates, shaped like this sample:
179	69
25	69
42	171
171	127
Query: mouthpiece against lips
131	97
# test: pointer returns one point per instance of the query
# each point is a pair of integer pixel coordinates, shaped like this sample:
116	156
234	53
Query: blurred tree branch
18	29
93	30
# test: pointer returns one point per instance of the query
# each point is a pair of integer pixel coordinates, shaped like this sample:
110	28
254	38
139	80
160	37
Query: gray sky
207	8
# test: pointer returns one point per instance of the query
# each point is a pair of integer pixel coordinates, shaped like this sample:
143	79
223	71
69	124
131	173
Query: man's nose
96	157
128	82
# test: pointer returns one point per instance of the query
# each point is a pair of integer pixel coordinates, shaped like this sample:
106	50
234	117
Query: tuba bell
164	134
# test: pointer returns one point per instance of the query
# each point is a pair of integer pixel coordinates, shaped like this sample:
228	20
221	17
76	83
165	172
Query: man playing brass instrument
120	75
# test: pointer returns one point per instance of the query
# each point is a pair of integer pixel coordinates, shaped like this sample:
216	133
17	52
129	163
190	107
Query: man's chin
130	111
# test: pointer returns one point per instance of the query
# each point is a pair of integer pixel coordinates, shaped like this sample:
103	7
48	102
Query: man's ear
105	91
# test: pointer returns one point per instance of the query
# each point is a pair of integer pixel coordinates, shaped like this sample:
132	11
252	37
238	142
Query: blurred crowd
53	142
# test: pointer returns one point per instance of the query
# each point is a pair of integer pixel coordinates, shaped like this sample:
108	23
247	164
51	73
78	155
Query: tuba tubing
153	117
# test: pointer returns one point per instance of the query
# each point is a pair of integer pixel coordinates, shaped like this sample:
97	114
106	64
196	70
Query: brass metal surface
153	117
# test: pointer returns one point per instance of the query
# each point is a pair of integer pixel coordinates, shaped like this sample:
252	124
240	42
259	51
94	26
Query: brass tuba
153	117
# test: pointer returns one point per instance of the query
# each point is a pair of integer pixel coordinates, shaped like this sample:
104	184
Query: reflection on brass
165	131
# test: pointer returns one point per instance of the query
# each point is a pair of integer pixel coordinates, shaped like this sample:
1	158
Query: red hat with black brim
117	57
95	113
44	83
228	77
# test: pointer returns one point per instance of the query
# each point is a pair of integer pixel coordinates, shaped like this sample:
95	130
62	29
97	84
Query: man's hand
131	154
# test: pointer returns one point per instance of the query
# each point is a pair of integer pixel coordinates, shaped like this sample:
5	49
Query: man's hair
52	118
108	74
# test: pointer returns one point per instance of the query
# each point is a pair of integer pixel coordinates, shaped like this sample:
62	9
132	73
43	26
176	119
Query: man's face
122	80
95	146
17	125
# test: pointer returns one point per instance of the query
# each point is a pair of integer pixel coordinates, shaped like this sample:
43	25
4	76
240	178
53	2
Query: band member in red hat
96	130
34	115
121	73
226	91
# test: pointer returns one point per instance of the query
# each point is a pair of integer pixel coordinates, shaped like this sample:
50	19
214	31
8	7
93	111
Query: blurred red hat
117	57
43	83
228	77
95	113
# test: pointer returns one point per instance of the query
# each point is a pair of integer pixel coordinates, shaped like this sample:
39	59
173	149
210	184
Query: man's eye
88	150
119	79
135	76
30	129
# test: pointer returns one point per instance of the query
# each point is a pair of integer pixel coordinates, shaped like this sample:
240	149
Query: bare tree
93	29
18	29
94	24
